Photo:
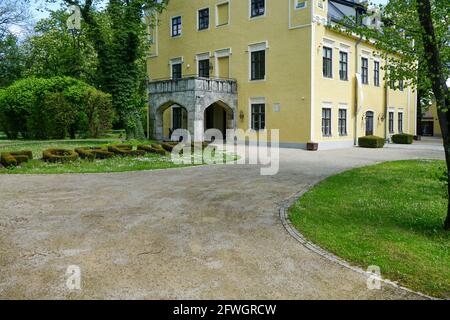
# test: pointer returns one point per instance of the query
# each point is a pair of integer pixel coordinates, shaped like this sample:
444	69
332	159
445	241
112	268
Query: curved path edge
289	227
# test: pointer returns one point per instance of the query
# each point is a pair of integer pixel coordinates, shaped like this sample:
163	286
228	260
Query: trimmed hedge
125	150
403	138
12	159
371	142
92	153
152	149
59	155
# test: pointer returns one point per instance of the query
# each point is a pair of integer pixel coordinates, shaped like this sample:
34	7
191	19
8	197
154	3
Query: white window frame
252	101
250	11
327	105
402	111
254	47
178	60
343	106
222	53
171	26
217	13
202	56
198	19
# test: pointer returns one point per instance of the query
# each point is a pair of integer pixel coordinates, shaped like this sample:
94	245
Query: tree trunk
438	81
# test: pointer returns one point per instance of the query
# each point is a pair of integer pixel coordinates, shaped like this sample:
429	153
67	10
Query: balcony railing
193	83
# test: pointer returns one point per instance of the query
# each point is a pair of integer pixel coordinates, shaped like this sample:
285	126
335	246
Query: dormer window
258	8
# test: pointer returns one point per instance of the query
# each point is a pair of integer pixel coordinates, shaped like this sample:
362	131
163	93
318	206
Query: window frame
172	65
251	9
391	122
180	29
342	122
329	60
376	73
401	85
199	17
341	64
222	3
261	113
365	70
400	121
200	67
327	121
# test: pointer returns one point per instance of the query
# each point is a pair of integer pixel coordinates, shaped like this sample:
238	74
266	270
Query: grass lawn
115	164
389	215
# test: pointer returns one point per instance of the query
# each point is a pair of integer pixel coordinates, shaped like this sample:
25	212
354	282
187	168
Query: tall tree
414	41
120	49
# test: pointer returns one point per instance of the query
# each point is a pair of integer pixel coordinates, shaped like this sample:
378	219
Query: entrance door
369	123
224	67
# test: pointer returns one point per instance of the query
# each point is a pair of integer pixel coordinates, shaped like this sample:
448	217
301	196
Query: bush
38	108
12	159
93	153
152	149
125	150
59	155
403	138
371	142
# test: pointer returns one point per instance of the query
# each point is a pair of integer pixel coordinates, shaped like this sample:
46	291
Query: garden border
297	235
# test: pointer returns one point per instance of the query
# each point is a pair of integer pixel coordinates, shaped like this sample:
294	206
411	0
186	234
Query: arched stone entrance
195	95
218	116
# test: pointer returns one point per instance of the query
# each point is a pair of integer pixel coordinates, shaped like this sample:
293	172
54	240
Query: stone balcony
195	94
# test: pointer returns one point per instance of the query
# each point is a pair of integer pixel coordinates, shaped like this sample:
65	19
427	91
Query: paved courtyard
210	232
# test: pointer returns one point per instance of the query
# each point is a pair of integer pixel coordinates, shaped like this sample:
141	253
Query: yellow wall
293	62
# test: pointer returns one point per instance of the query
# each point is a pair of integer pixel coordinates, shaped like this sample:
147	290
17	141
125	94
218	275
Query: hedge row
12	159
371	142
403	138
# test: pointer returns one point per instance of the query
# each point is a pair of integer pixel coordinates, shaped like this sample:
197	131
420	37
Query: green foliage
59	155
40	108
389	215
371	142
403	138
12	159
12	60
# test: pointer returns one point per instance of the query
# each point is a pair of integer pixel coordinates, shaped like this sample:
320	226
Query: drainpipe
356	90
386	110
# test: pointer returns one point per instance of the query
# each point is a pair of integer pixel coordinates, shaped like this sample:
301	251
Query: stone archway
164	125
220	116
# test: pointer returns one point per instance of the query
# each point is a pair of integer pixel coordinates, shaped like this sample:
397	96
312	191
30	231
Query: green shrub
92	153
152	149
371	142
38	108
59	155
12	159
403	138
125	150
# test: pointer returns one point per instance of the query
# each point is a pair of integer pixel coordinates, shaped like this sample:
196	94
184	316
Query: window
176	71
176	26
203	19
376	73
258	65
369	123
365	70
258	116
223	14
400	122
258	8
203	68
326	122
343	66
342	122
401	85
391	122
391	79
327	62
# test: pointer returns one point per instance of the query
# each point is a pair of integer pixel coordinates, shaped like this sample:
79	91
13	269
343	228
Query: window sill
343	135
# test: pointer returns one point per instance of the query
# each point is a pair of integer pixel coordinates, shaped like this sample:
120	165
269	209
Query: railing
193	83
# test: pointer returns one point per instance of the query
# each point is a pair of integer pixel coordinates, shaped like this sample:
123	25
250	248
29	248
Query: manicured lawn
389	215
115	164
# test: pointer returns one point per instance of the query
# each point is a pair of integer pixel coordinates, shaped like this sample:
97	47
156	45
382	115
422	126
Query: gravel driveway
198	233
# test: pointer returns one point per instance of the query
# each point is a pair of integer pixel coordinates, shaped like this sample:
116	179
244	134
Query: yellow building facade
270	64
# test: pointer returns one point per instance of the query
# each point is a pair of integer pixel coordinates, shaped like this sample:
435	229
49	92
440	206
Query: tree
55	51
414	41
119	50
12	60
